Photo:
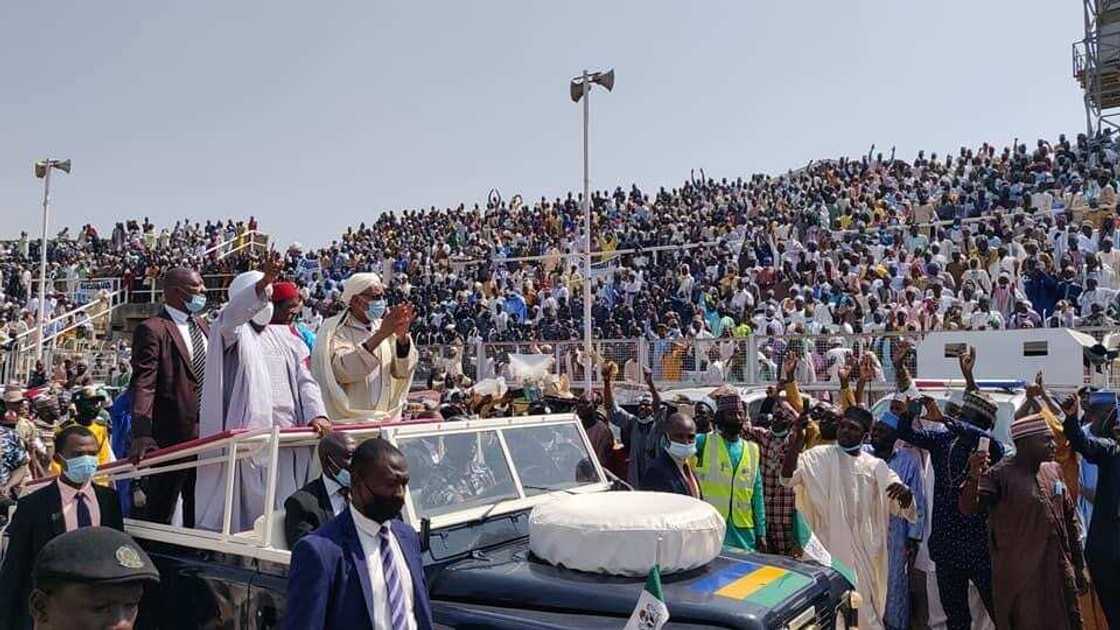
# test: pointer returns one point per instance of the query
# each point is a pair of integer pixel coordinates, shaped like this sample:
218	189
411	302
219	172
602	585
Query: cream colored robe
358	385
844	499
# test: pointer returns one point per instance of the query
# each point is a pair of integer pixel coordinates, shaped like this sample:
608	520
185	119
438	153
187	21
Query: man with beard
364	568
1038	568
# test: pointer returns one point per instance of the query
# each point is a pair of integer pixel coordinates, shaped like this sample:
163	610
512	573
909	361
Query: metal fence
754	360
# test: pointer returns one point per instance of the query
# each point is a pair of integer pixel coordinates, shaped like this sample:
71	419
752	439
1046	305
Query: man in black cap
92	578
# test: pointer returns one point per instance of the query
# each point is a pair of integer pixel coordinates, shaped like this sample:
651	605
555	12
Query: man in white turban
364	357
257	380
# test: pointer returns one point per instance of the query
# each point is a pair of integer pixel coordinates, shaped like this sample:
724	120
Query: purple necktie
394	592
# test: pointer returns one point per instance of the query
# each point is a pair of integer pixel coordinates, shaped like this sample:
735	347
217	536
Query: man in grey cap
92	577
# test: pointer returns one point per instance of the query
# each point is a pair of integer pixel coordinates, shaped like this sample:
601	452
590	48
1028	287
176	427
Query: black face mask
380	509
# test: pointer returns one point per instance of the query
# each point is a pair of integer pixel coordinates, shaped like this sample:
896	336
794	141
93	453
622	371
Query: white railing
746	361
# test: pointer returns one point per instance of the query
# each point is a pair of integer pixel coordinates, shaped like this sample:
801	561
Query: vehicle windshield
471	468
551	457
456	471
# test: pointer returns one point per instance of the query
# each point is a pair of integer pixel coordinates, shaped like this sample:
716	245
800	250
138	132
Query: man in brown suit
168	367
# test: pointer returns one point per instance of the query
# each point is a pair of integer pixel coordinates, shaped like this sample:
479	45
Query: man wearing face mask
63	506
257	380
847	497
168	364
89	402
363	569
730	476
671	470
326	497
364	357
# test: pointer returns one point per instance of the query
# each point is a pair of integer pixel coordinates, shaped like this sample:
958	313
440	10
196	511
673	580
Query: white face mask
263	316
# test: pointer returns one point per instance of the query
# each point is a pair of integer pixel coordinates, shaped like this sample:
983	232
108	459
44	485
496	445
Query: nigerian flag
651	612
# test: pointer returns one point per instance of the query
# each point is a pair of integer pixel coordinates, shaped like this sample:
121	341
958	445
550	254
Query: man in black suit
670	471
67	504
168	364
310	507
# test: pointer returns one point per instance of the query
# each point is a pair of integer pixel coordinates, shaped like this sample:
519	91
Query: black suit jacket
308	509
164	387
664	476
38	519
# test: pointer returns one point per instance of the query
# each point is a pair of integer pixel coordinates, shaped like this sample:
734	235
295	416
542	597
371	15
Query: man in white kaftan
364	357
847	497
259	380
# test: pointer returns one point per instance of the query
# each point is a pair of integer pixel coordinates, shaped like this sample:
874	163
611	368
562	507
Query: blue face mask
343	478
80	469
375	309
681	451
196	303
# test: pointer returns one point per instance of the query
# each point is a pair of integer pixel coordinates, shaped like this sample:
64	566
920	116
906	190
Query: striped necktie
394	592
198	354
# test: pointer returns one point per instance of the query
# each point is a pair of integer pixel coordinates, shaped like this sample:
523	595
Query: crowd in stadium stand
136	252
980	239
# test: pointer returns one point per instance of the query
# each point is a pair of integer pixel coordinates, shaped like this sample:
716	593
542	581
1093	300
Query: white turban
244	282
359	283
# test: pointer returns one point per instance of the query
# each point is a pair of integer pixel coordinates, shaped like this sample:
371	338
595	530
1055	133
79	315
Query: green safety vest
727	490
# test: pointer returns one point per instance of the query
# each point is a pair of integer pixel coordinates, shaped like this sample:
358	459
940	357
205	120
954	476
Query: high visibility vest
725	488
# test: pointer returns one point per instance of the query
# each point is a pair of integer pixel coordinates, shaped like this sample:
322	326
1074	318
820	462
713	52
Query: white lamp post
43	170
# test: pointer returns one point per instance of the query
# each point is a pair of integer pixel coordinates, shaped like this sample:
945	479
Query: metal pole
587	235
43	263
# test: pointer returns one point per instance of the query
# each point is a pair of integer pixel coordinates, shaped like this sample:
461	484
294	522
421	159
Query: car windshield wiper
546	488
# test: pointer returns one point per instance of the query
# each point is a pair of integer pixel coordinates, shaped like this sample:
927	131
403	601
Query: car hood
724	592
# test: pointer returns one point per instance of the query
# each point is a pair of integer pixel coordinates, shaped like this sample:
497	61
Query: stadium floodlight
580	88
43	170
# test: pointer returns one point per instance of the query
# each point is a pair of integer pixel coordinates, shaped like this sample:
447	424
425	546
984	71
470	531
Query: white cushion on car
617	532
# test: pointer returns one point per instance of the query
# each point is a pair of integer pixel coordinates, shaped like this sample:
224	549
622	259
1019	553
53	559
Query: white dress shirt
181	320
338	502
369	534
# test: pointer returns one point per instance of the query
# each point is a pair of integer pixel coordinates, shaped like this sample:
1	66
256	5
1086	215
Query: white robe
844	499
258	380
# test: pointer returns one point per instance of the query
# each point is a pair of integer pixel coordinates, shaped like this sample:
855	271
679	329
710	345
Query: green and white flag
651	612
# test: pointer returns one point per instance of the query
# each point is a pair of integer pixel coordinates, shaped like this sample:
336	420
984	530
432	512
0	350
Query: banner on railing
307	268
88	289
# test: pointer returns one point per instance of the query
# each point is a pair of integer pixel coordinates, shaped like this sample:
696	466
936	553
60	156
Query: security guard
90	578
727	468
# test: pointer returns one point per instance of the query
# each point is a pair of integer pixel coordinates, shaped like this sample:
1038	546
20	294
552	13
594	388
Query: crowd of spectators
135	252
982	238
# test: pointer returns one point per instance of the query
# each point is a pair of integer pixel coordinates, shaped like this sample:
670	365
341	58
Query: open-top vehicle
473	489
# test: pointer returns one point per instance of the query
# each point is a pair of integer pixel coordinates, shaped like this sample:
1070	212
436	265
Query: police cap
93	555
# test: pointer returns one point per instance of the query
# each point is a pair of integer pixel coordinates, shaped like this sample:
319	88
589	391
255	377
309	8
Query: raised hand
405	316
899	492
1035	389
968	360
1071	406
977	464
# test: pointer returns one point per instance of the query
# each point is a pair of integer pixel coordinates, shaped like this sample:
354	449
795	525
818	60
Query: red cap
284	291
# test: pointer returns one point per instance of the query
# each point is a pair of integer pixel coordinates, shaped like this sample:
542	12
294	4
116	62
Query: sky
313	116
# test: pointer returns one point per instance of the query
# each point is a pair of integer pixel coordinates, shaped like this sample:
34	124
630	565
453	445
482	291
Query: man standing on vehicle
255	379
730	476
168	364
363	569
364	357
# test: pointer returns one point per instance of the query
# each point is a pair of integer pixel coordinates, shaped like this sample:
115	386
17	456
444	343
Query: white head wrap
359	283
243	282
